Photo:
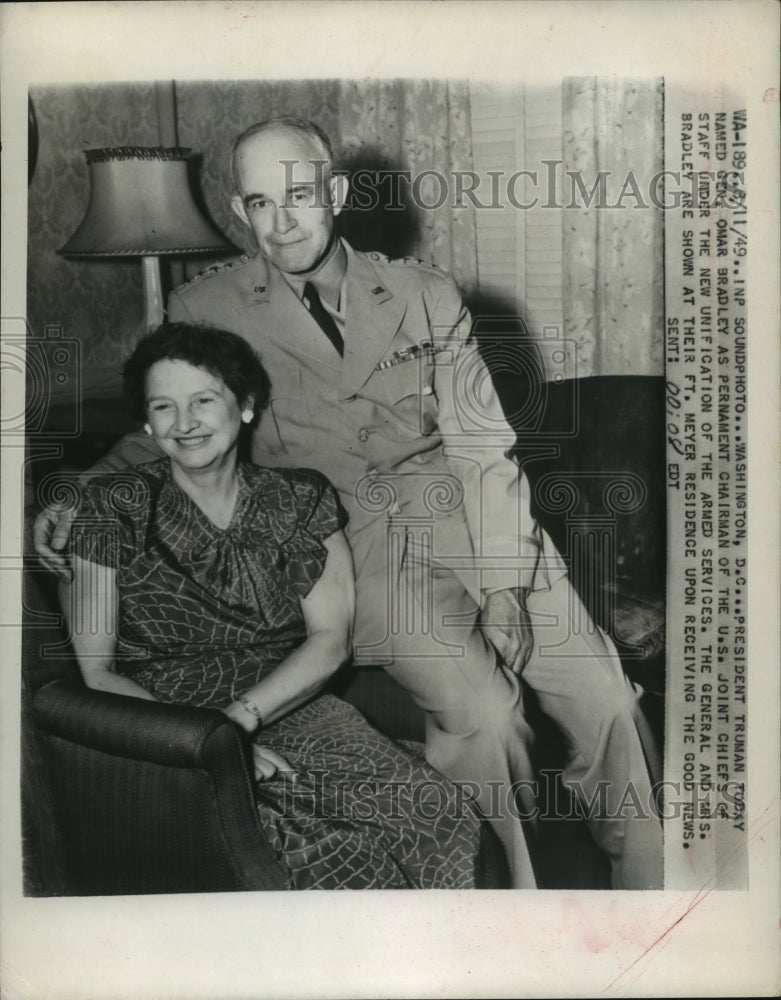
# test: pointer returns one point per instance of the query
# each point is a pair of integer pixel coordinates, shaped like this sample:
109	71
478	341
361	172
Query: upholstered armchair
123	795
127	796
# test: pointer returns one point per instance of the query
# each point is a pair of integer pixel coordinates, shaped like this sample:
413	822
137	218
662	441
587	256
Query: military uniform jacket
406	425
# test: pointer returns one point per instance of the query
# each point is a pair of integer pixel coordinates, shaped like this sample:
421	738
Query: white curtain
613	278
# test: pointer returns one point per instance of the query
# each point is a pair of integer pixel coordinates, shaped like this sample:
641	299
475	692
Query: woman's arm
328	610
90	606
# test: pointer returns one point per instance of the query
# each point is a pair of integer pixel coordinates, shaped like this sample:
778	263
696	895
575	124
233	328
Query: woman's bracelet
251	707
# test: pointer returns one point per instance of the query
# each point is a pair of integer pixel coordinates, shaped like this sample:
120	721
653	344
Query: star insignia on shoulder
209	272
416	262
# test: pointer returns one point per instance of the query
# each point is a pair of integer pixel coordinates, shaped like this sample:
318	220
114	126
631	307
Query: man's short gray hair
301	125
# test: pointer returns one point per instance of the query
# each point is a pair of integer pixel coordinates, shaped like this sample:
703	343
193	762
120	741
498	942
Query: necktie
324	319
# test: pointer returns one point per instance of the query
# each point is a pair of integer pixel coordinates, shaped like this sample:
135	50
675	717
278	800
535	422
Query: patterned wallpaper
385	125
375	126
211	114
413	125
613	261
98	302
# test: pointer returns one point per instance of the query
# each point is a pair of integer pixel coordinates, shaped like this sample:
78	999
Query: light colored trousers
476	730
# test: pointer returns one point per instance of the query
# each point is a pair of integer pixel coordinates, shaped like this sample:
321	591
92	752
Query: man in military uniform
375	382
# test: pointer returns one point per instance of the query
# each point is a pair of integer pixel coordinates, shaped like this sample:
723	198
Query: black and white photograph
378	505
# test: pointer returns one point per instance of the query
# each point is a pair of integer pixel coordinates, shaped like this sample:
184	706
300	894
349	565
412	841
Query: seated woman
229	585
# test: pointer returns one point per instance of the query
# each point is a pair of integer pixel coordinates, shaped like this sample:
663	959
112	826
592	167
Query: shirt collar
327	277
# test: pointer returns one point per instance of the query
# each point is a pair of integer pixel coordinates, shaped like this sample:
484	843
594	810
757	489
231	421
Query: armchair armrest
174	735
148	797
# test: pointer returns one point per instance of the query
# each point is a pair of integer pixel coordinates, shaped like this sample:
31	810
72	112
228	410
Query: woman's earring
247	415
148	429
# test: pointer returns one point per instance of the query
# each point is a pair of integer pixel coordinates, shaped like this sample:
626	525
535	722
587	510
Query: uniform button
363	434
427	390
350	399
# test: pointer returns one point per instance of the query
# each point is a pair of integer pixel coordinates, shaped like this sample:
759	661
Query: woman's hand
268	763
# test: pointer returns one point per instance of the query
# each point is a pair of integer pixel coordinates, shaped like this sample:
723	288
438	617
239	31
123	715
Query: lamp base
153	292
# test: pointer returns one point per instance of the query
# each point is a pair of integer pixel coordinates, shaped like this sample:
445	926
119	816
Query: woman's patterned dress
205	613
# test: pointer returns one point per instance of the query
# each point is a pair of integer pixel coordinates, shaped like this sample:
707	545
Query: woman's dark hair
224	355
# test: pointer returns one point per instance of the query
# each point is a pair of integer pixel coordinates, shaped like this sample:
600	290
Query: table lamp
141	205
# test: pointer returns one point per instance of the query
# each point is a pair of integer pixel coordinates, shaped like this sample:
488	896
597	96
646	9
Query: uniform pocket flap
286	384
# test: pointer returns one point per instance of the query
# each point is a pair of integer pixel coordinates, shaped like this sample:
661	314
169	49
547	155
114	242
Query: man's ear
238	207
338	186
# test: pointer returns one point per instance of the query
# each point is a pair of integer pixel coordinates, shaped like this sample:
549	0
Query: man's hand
51	533
506	624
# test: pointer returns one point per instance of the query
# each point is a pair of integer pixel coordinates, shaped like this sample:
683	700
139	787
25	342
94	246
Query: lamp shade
141	205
